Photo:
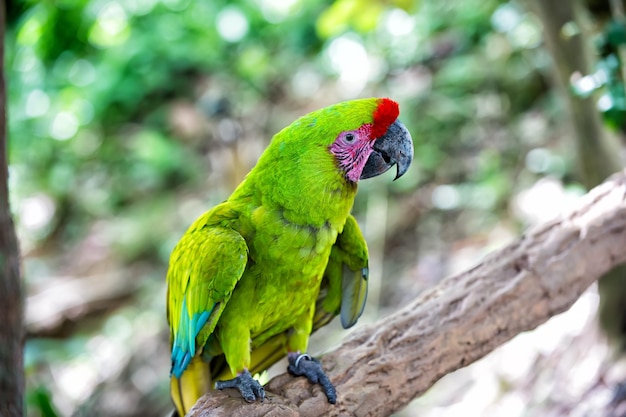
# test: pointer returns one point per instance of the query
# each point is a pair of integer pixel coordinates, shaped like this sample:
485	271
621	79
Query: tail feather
197	378
192	384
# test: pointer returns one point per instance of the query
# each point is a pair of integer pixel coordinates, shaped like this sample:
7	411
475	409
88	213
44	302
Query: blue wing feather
184	346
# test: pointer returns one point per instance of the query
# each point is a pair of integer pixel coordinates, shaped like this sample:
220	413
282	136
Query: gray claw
305	365
250	388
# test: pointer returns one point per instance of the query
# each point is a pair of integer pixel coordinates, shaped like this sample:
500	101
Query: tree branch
380	368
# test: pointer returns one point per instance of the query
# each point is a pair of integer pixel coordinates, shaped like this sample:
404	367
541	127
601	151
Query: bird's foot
303	364
250	388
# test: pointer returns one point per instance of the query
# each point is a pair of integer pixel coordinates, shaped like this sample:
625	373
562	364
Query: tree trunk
597	151
380	368
11	333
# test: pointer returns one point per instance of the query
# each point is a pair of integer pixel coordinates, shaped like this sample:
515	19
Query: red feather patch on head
385	114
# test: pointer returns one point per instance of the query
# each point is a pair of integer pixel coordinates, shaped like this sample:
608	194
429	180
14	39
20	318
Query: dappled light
231	24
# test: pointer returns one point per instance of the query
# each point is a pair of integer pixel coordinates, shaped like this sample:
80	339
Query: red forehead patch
385	114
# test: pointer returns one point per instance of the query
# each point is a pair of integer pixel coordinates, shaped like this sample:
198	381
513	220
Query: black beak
395	147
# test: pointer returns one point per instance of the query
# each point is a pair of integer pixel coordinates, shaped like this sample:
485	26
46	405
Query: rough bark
380	368
11	334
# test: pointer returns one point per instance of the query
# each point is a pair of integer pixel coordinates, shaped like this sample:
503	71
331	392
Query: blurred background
128	119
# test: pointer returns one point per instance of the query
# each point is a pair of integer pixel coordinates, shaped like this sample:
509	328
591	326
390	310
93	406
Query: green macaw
254	276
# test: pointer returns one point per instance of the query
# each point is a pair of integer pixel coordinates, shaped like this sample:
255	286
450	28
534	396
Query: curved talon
250	388
305	365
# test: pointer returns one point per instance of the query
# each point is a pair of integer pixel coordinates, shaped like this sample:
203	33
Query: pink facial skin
352	148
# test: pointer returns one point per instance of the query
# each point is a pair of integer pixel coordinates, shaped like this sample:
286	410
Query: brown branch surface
380	368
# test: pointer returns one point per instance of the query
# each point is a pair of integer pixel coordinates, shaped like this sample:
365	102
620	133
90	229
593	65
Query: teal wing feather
204	268
344	287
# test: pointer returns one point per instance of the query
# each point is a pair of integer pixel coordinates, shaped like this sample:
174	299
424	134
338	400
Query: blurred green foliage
607	82
129	118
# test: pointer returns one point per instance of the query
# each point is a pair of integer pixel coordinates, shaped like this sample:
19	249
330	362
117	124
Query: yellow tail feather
197	378
193	383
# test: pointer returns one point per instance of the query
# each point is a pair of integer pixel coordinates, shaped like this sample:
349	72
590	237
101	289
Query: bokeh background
127	119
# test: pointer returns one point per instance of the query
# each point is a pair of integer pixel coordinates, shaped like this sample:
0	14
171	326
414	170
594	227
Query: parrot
254	276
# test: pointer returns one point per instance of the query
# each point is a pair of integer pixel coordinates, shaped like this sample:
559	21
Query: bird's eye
349	137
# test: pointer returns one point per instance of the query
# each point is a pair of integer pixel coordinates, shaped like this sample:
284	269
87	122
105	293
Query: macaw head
378	143
360	138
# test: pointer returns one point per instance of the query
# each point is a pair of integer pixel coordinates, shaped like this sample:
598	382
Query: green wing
344	287
204	268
